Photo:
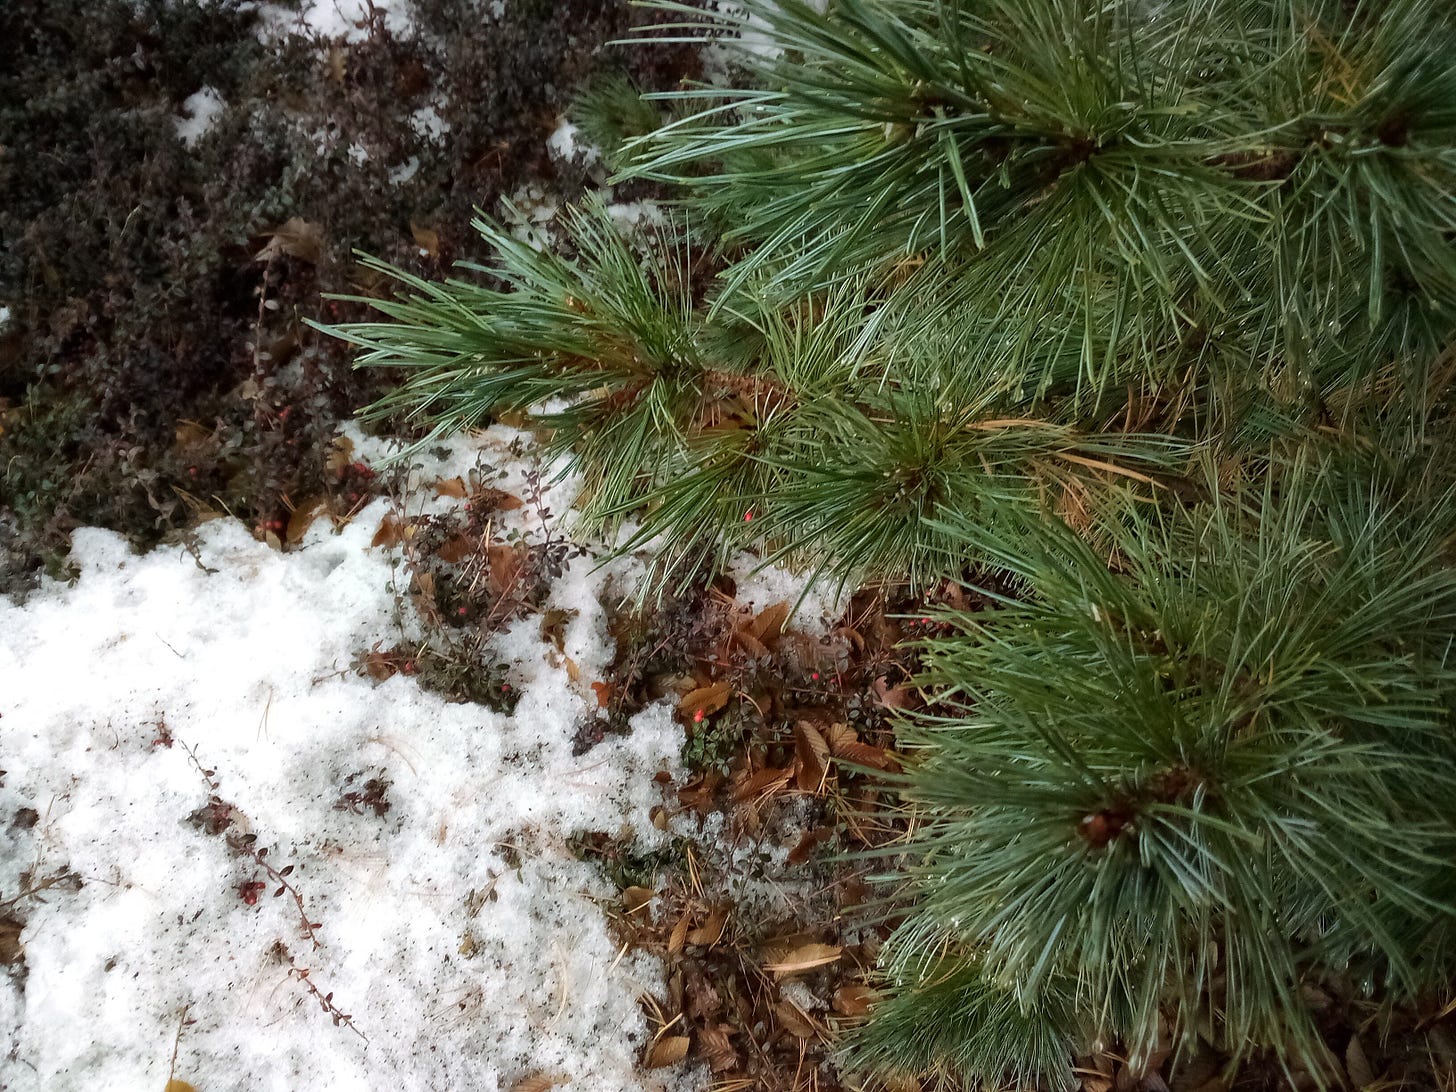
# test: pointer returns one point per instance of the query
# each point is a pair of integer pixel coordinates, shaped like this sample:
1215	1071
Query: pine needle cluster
1149	309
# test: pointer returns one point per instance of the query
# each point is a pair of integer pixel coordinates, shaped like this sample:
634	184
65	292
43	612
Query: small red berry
698	717
748	516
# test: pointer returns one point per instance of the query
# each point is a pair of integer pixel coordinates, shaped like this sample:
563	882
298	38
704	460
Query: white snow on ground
4	316
456	929
200	109
563	144
347	20
427	122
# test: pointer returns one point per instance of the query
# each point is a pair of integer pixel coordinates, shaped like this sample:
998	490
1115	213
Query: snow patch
336	20
456	929
398	176
428	124
200	110
562	143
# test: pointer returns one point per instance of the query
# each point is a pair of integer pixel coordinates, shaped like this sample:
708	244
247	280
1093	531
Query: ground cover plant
1121	335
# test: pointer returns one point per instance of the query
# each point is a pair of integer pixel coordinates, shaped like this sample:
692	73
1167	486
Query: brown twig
245	845
325	1000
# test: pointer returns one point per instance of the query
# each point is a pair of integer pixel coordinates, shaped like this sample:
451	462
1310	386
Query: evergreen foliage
1147	310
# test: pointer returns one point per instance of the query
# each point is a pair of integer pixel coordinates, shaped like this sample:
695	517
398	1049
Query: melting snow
201	109
457	929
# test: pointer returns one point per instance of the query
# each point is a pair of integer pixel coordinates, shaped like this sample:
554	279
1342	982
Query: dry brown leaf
390	531
539	1082
698	793
1357	1064
893	697
379	665
495	500
458	548
794	1020
766	782
174	1085
806	846
839	736
679	935
553	627
635	898
450	487
603	691
769	624
341	454
862	754
706	699
751	644
190	434
297	238
667	1051
302	518
427	239
716	1046
711	931
803	958
506	560
11	950
853	1000
811	754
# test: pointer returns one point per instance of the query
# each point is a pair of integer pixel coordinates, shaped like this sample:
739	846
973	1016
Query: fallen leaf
804	958
893	697
716	1046
297	238
811	754
494	500
678	938
391	531
553	627
711	931
794	1020
341	454
427	239
174	1085
603	691
11	950
862	754
769	624
811	840
506	560
450	487
667	1051
302	518
458	548
838	736
537	1083
706	699
635	898
1357	1065
766	782
853	1000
